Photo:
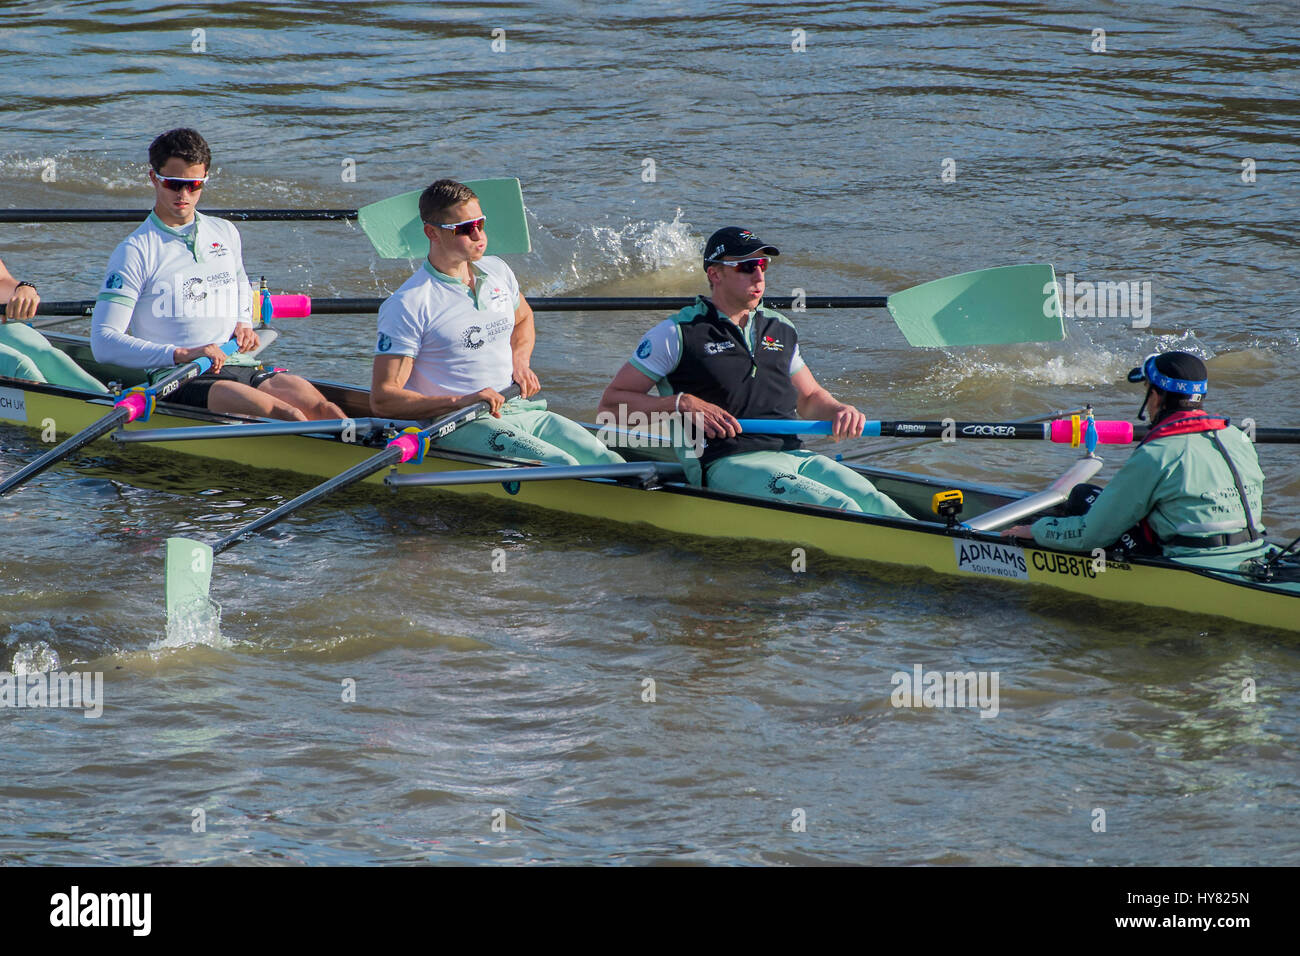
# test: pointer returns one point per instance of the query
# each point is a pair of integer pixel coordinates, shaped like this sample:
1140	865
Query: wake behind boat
652	491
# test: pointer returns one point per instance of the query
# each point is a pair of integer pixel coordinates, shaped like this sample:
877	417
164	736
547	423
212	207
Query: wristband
677	405
21	284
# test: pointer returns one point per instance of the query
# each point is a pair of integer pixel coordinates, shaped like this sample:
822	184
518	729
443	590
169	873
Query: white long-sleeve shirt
168	288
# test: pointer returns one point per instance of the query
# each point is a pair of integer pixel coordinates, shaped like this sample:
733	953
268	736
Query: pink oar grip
409	443
1109	431
135	403
291	306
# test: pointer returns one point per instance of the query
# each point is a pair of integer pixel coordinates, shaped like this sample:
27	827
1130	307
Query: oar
81	308
393	225
395	229
287	306
138	215
643	471
189	562
1066	431
997	306
1070	431
1260	436
359	428
137	403
875	451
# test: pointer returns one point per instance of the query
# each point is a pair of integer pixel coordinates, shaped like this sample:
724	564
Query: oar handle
413	442
788	426
199	365
286	306
1067	431
291	306
138	402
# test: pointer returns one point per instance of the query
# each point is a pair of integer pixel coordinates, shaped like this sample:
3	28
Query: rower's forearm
635	401
111	343
7	284
821	405
1078	533
405	404
522	340
521	348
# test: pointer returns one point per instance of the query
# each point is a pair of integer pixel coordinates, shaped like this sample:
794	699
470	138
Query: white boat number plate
999	560
13	405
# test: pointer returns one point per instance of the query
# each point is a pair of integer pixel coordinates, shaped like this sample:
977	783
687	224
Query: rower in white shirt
458	332
175	289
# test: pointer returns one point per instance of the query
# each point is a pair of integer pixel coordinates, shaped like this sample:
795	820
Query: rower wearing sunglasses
459	332
1192	489
727	357
175	290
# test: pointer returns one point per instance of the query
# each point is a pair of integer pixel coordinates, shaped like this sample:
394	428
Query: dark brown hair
441	196
185	143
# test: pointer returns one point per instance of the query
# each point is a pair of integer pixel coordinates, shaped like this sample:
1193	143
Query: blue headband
1167	384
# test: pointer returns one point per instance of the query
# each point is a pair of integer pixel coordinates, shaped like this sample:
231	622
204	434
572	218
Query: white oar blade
188	575
999	306
394	227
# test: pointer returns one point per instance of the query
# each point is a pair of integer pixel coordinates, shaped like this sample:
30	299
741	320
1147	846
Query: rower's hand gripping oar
189	562
136	404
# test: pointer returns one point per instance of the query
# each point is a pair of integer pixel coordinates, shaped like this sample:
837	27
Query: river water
879	145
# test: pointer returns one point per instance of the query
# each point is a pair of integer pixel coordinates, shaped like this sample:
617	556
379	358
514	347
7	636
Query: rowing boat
655	494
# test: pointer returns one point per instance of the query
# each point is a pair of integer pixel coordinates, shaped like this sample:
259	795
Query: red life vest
1189	423
1185	423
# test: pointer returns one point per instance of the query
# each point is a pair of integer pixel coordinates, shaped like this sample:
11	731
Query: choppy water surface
523	691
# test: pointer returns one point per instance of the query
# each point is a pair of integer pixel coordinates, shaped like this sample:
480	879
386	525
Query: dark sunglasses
176	184
747	266
466	227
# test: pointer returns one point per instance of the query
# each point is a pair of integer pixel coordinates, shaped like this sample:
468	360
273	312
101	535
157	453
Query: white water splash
1075	361
602	254
35	658
194	624
77	172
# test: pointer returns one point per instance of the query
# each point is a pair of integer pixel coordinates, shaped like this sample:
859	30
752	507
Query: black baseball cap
1180	372
734	241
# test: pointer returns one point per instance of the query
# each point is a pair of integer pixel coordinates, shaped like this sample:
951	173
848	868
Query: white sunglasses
465	227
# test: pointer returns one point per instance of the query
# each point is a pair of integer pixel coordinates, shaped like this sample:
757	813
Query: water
522	692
